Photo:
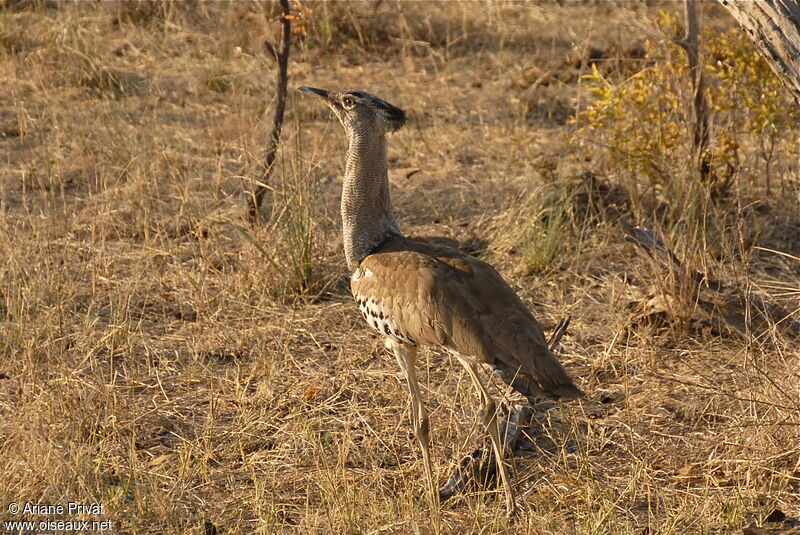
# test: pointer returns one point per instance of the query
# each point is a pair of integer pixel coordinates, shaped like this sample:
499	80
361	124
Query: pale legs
489	419
406	357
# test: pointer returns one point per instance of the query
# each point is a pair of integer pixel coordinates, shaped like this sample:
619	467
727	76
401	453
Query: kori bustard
416	293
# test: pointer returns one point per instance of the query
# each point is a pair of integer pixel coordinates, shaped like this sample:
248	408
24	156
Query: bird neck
367	217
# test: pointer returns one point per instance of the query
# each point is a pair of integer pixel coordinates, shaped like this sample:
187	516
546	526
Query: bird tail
566	390
528	387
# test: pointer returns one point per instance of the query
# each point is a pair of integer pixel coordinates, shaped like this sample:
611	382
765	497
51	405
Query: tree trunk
774	26
691	45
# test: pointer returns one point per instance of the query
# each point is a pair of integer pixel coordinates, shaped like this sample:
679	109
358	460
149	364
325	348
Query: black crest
392	113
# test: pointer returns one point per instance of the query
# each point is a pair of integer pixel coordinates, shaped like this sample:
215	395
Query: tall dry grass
195	374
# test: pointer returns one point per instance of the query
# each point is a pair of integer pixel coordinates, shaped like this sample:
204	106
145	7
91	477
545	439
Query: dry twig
280	107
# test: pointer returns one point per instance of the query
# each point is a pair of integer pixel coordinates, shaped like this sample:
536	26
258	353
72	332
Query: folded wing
422	293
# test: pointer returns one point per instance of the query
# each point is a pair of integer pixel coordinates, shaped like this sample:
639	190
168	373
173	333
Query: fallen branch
721	303
479	468
558	332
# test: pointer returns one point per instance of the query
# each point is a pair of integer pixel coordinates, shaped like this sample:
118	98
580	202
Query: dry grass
198	376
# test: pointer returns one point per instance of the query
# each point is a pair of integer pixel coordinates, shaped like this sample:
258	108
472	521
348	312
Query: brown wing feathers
422	293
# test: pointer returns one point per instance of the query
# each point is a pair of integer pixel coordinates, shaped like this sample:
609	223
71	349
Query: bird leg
406	357
489	419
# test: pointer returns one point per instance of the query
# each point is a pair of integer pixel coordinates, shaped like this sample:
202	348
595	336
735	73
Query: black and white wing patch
378	316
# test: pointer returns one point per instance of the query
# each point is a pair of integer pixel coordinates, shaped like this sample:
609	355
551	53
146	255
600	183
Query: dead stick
711	294
558	332
280	107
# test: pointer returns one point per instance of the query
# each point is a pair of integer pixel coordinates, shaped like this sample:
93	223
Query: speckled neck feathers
367	217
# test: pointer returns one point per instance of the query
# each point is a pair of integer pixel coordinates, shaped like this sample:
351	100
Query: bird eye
348	102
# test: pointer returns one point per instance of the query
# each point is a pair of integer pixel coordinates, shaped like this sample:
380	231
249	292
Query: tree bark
774	26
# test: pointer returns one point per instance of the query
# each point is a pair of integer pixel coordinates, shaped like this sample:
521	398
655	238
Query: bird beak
319	92
326	97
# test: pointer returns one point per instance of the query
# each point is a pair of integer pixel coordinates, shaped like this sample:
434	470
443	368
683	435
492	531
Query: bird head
360	112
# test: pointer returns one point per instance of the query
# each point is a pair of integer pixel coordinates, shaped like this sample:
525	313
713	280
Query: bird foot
479	468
